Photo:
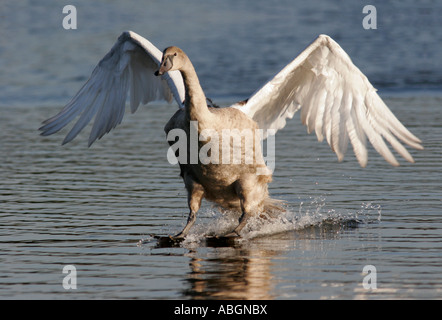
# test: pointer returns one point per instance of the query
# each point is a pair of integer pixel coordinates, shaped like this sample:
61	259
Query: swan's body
335	98
219	181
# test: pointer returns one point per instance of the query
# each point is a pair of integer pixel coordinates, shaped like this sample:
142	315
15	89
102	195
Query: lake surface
98	208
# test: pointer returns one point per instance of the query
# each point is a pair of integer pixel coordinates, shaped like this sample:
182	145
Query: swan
334	97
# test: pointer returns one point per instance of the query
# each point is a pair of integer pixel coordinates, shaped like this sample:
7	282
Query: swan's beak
159	72
166	65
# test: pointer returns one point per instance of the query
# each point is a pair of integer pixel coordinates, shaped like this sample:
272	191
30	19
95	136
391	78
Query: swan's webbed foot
178	236
232	235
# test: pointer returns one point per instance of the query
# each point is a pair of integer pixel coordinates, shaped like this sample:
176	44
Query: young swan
240	185
334	97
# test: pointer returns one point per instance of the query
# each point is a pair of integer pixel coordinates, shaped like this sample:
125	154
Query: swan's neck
195	100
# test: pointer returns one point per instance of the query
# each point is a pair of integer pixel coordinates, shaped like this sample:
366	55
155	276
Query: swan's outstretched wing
129	65
336	101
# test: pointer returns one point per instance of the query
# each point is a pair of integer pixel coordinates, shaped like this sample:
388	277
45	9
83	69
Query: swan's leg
195	194
190	221
245	189
242	223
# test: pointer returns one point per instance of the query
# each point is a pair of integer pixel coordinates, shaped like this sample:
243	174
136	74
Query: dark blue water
97	208
244	41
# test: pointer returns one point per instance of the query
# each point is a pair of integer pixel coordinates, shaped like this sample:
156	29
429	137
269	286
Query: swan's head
173	59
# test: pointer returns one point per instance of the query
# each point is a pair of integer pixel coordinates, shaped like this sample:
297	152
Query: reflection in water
244	270
235	273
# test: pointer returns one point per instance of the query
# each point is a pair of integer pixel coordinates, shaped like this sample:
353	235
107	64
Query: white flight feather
128	67
336	101
335	98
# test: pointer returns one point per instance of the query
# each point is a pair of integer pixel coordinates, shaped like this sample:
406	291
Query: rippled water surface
99	208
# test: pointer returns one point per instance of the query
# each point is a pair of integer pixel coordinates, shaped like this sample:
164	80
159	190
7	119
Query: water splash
309	213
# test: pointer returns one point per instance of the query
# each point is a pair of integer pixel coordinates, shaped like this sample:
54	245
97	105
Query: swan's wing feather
335	100
128	66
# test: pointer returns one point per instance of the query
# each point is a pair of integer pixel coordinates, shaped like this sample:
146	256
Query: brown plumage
238	187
